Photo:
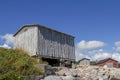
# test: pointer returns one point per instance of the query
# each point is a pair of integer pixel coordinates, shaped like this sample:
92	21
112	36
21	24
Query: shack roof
101	61
84	59
38	25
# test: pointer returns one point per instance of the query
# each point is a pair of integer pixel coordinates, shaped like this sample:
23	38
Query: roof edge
38	25
99	62
83	59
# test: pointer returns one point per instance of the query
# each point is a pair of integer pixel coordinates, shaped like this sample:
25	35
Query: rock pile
85	73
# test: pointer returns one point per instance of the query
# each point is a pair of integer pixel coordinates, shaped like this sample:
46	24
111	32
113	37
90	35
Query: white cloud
87	45
105	54
93	52
83	48
116	56
8	40
117	44
5	46
100	54
79	55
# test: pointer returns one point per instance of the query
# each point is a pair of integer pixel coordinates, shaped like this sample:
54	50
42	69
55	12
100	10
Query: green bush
16	63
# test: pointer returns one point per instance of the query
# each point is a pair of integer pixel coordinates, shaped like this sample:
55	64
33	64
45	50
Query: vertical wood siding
27	40
84	62
54	44
45	42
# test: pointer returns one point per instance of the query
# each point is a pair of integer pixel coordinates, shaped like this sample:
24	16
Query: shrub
16	63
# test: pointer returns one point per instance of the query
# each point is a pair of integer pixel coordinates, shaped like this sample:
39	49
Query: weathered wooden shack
45	43
84	62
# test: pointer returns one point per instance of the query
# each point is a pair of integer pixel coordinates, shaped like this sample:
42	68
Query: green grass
16	63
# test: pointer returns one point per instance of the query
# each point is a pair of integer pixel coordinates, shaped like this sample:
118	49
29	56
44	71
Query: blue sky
87	20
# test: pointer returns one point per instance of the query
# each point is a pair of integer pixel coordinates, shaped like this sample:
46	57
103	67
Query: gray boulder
52	77
68	78
49	70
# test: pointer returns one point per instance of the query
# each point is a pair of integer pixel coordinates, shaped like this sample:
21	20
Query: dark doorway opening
52	62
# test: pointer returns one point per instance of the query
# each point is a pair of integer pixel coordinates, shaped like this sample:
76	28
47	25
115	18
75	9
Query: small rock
49	70
68	78
52	77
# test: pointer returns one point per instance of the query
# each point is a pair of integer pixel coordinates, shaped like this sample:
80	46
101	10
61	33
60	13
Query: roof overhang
38	25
